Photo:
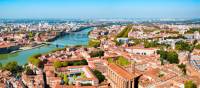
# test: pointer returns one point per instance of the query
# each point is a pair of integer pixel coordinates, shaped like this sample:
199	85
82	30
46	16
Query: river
71	39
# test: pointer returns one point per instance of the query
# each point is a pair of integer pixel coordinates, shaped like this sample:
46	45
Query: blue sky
99	8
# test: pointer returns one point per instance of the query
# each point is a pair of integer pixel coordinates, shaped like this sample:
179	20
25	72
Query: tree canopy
98	53
29	71
192	30
99	75
170	56
197	46
75	63
66	80
183	46
124	32
35	60
190	84
150	44
58	64
94	43
13	67
110	60
183	68
1	65
122	61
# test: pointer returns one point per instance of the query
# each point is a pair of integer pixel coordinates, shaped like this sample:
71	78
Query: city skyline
99	44
99	9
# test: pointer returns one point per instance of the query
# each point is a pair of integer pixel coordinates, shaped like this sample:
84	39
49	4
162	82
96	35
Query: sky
99	8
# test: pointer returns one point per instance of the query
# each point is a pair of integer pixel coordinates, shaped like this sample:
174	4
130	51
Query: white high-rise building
196	35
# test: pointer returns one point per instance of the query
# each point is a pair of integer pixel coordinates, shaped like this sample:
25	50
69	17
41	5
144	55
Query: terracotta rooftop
4	44
120	71
67	86
141	48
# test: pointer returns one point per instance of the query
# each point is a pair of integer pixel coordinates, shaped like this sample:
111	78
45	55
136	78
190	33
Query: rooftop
120	71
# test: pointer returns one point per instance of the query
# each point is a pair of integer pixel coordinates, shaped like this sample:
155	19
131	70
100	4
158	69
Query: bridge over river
71	39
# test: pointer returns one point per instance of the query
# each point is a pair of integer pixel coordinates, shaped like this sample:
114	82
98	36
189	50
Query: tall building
119	77
196	35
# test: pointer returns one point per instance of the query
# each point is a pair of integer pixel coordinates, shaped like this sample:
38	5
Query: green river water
71	39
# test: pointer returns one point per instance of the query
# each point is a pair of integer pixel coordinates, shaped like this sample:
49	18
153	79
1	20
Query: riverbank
60	34
71	39
27	48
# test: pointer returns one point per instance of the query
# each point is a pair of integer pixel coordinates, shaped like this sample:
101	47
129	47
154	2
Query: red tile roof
120	71
67	86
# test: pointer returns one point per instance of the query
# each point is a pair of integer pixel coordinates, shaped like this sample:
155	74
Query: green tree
57	64
160	75
98	53
35	61
64	64
61	75
74	77
190	84
124	32
163	54
75	63
195	42
192	30
172	57
161	61
99	75
29	71
197	46
183	46
66	80
83	62
183	68
83	75
110	60
13	67
1	65
122	61
150	44
94	43
30	34
118	43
